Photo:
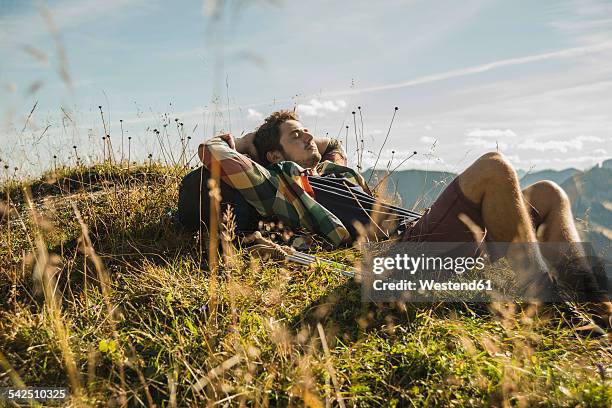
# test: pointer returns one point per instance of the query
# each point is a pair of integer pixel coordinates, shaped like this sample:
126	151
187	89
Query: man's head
283	137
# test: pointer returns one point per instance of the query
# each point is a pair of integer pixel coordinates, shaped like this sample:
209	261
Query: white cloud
585	21
484	143
407	159
254	115
594	139
600	152
320	108
551	145
28	27
514	159
562	146
427	139
491	133
565	162
477	69
428	127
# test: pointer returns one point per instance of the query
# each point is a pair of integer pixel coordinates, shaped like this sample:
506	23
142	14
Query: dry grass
101	293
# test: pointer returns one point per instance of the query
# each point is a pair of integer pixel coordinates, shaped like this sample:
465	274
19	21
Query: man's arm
322	143
252	180
245	145
331	150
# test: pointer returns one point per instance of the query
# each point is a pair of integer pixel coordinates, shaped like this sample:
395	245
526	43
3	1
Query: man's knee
490	169
494	165
551	192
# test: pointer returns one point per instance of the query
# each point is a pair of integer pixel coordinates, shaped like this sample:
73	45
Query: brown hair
267	137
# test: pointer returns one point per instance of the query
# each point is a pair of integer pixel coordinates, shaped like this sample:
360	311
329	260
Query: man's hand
331	150
322	143
229	139
245	145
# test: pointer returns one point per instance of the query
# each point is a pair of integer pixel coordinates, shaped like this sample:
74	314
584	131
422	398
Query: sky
531	79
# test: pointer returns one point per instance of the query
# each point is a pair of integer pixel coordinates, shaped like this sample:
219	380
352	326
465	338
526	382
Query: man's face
298	144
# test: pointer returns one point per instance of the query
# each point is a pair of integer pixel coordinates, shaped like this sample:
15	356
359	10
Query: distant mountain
417	189
558	176
607	164
591	195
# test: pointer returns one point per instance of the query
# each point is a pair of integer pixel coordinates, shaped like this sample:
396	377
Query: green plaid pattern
277	190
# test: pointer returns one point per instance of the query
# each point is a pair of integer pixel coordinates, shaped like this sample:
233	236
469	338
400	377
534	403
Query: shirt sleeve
334	153
253	181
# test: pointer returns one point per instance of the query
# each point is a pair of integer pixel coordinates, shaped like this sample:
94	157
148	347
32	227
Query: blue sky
530	78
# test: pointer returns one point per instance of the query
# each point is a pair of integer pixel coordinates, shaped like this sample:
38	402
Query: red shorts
441	222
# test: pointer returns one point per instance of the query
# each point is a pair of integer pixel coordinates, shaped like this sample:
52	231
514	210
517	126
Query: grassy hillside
101	293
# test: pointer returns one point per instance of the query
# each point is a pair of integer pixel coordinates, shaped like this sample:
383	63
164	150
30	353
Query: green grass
143	320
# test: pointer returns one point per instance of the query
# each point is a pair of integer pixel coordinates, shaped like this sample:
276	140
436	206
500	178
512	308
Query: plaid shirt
281	190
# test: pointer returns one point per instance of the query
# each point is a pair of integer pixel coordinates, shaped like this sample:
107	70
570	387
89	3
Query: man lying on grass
304	182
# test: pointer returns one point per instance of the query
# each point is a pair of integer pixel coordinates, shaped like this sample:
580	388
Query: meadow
102	293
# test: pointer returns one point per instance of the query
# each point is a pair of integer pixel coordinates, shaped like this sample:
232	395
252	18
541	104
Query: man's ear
274	156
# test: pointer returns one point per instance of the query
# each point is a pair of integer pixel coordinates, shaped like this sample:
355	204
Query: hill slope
124	309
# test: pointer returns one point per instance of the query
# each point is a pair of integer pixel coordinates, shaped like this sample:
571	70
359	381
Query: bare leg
492	183
558	226
558	223
555	209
